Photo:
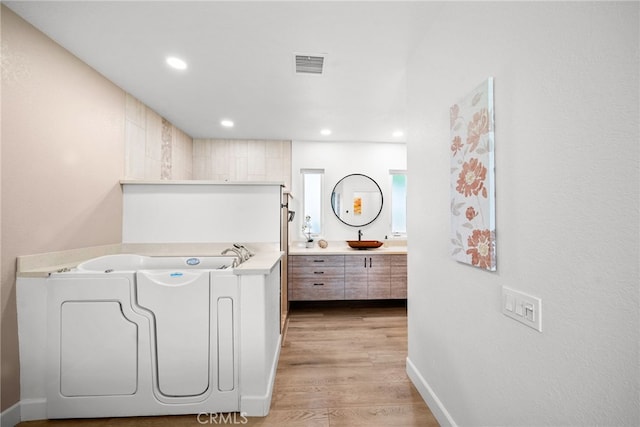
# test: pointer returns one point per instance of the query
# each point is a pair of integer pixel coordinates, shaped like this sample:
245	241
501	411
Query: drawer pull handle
318	260
318	272
318	284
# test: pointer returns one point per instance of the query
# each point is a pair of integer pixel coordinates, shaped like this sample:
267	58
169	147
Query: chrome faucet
244	252
359	235
236	262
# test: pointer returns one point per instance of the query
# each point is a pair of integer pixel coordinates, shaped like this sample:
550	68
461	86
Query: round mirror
356	200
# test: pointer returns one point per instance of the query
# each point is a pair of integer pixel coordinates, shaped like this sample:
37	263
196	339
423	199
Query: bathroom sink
364	244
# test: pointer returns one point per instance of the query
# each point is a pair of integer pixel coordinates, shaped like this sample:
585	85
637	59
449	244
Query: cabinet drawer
317	272
315	260
315	288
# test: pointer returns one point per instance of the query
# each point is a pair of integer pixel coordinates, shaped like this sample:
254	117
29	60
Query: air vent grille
309	64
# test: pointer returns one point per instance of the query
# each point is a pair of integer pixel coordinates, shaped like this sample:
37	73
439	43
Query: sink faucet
236	262
359	235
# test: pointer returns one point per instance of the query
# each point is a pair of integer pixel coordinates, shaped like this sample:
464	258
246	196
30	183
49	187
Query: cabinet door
379	277
398	276
355	276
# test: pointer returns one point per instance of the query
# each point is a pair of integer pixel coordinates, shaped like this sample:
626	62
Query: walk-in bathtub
130	335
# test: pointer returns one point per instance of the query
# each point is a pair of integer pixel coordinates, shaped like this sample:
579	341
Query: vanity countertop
341	248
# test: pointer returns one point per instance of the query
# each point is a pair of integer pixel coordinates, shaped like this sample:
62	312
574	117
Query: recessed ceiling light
176	63
325	132
227	123
398	134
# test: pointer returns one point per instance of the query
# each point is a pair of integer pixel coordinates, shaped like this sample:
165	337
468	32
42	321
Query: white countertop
265	259
341	248
42	265
261	263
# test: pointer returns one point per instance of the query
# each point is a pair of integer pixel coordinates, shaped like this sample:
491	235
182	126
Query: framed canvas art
473	225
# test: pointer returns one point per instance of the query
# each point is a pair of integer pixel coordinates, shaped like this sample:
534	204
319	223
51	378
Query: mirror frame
333	192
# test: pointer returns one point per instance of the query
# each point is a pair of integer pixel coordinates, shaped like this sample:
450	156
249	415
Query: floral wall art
473	228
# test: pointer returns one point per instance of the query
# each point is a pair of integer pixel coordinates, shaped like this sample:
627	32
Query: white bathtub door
98	361
180	304
98	349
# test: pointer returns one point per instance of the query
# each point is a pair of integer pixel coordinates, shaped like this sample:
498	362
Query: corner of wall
154	147
435	405
10	416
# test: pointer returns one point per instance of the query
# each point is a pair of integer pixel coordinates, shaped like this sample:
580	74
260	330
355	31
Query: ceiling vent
309	64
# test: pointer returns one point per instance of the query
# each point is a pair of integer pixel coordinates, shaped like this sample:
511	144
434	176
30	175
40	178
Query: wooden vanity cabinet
367	277
316	277
347	277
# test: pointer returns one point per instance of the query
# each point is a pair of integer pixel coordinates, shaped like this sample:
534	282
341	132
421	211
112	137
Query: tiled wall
182	155
154	148
242	160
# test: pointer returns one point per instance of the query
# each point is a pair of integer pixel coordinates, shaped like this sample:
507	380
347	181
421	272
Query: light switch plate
522	307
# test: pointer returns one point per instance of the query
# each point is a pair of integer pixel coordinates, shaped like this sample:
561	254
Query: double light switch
522	307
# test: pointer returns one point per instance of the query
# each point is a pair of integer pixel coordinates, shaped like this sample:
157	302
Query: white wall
200	212
339	159
567	192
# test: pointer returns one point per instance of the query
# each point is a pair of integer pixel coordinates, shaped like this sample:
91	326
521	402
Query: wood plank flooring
341	365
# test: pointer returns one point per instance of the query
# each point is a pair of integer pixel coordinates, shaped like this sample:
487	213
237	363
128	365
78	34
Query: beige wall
242	160
3	302
68	137
62	158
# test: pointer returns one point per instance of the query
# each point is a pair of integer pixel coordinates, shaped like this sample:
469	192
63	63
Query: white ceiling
240	59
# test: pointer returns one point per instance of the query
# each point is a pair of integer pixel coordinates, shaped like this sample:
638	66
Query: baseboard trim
435	405
10	416
33	409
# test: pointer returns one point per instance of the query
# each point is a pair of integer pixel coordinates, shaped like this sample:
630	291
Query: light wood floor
341	365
